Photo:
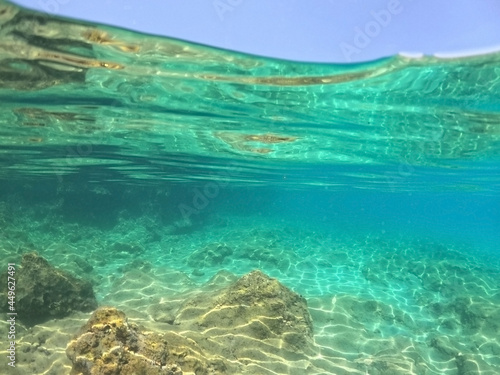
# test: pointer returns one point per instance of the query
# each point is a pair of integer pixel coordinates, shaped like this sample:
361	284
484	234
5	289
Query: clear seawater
370	189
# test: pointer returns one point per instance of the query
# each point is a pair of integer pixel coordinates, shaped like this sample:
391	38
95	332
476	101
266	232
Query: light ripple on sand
376	303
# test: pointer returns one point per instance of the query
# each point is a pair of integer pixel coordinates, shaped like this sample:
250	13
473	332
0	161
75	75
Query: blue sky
305	30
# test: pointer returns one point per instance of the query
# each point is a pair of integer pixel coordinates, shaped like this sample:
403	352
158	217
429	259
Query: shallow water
148	165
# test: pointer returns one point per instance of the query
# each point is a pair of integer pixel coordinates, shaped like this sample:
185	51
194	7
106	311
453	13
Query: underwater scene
172	208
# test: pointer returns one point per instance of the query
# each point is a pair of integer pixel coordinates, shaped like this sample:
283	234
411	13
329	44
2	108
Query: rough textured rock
83	264
255	307
108	344
251	325
44	292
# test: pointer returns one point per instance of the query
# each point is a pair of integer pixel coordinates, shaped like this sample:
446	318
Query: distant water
364	182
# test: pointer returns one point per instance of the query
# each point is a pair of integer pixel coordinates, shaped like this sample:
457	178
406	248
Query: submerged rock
83	264
248	318
251	325
109	344
44	292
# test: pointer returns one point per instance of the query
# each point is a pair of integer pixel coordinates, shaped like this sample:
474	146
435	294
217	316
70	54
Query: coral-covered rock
109	345
44	292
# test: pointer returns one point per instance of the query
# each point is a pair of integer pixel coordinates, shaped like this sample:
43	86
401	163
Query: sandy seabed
379	304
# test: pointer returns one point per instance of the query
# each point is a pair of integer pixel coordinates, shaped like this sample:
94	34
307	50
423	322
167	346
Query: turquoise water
149	165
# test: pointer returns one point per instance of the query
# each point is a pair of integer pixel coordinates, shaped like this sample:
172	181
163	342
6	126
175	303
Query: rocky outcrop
252	324
257	306
256	322
44	292
109	345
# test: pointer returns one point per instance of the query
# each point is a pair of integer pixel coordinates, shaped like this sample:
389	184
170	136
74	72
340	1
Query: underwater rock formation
43	292
254	308
109	344
254	325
